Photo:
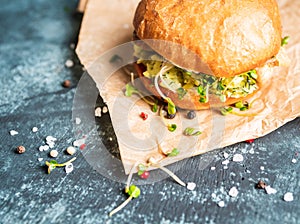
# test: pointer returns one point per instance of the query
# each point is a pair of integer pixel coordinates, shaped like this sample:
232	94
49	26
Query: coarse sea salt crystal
238	158
288	196
225	162
34	129
226	155
77	120
270	190
104	110
69	168
294	160
221	204
191	186
98	112
40	159
78	142
213	168
262	168
44	148
233	192
13	132
69	63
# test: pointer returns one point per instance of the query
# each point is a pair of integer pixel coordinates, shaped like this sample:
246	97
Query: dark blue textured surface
34	45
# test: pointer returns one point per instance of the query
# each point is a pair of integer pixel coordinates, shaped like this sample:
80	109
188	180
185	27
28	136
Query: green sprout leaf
174	152
226	110
154	107
285	41
172	127
134	191
53	164
130	90
191	132
171	106
141	169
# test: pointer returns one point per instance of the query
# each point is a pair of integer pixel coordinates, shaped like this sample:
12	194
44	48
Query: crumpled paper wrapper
107	24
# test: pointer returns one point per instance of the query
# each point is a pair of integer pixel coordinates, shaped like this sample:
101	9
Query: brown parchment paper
107	24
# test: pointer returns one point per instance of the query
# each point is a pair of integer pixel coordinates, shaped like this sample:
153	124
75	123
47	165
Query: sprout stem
169	172
120	206
66	163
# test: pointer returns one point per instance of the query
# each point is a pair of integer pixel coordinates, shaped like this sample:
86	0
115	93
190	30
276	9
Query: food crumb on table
288	197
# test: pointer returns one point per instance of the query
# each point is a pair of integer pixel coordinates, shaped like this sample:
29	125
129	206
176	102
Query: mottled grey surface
34	44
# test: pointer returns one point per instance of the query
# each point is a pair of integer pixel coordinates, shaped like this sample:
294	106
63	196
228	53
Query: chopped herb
181	93
190	132
285	41
174	152
226	110
115	58
133	192
130	89
172	127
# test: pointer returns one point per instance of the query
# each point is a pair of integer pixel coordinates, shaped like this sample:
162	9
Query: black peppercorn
169	116
191	114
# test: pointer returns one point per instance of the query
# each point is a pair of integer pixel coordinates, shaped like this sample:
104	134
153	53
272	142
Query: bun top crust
230	36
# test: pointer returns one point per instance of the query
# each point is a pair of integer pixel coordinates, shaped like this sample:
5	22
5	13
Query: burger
206	53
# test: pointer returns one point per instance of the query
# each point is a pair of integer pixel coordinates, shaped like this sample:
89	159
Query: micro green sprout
130	89
191	132
171	127
174	152
53	164
133	192
285	41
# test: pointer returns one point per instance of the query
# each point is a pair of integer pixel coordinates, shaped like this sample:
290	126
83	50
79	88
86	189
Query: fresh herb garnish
174	152
171	106
191	132
53	164
172	127
115	58
130	89
133	192
285	41
154	107
181	93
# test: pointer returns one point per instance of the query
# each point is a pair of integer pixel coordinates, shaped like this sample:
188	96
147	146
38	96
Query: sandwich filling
182	81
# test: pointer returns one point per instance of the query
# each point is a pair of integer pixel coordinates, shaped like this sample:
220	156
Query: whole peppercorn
191	114
21	149
66	83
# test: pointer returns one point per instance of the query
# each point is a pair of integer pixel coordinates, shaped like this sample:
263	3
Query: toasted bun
230	36
191	100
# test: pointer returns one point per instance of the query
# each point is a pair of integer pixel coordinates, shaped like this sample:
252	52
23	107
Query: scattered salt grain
226	155
225	167
294	160
251	151
270	190
40	159
34	129
53	153
13	132
213	195
98	112
288	196
104	110
77	120
213	168
71	150
221	204
110	139
225	162
69	63
50	139
191	186
79	142
69	168
233	192
262	168
44	148
238	158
